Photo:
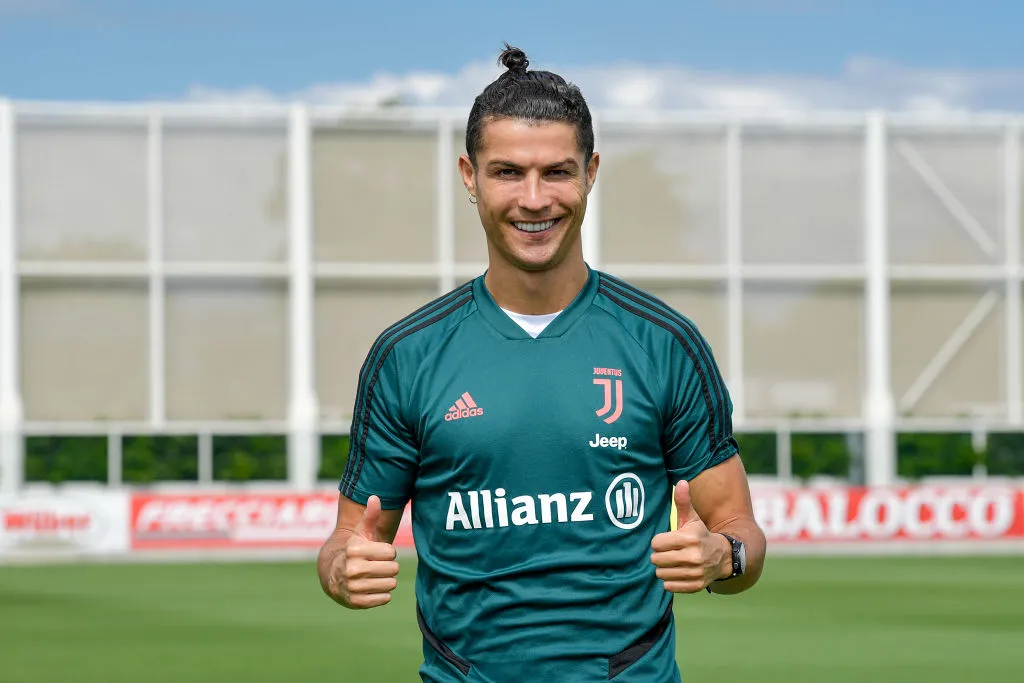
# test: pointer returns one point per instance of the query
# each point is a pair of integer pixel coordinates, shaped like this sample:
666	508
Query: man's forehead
529	140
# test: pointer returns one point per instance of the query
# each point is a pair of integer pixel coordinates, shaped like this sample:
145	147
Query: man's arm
721	497
694	555
356	563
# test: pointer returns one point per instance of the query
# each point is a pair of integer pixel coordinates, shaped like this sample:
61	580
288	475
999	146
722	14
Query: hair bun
514	59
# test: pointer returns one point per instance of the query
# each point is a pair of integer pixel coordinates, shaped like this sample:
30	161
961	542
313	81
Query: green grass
810	619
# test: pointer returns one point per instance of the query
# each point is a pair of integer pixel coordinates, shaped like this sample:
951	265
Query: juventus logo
612	400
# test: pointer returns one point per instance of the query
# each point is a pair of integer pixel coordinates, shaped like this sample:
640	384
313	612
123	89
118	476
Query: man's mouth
535	227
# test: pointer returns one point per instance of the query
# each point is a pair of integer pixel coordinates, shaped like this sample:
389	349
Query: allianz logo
488	509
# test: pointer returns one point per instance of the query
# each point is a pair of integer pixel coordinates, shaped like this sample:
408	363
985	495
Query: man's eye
508	172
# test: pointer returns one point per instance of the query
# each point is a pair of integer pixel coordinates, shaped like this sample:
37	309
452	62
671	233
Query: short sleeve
698	427
383	454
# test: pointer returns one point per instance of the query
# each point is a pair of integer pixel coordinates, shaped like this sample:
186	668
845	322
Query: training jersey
539	470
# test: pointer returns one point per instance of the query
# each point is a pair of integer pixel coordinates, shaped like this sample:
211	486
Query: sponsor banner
798	516
948	512
236	521
64	523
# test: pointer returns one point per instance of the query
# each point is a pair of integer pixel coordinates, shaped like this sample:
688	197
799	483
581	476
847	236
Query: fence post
880	464
303	445
12	465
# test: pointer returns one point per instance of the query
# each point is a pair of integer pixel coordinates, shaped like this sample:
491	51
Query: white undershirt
532	324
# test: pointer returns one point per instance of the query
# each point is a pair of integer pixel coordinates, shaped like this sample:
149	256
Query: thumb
367	527
684	508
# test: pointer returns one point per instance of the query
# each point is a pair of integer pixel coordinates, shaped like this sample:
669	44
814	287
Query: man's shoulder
643	313
423	326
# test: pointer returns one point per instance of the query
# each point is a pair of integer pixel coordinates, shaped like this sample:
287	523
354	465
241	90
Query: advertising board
64	523
235	521
928	513
789	516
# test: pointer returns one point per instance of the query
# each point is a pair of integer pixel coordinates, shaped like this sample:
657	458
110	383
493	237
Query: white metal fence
200	269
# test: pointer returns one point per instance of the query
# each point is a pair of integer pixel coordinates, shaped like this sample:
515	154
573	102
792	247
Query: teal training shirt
539	470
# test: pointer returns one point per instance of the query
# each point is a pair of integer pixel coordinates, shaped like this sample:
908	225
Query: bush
148	459
333	457
935	454
816	455
159	458
249	458
759	452
1005	455
57	459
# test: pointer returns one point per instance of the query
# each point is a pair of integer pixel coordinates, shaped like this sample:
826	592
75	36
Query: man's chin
538	259
536	264
536	267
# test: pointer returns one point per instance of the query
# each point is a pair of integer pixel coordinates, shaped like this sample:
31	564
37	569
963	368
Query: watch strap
737	568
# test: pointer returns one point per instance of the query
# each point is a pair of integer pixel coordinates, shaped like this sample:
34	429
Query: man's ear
595	161
468	174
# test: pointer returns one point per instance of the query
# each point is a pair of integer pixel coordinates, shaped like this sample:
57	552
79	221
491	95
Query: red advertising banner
230	521
954	512
800	516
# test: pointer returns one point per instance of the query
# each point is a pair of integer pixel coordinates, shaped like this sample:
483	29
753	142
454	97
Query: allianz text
487	509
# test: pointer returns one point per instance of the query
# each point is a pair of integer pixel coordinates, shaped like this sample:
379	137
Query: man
542	419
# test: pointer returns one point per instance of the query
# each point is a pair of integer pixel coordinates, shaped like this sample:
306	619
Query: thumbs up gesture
689	557
364	573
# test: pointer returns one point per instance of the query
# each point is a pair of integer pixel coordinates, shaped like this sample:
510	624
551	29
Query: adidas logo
464	407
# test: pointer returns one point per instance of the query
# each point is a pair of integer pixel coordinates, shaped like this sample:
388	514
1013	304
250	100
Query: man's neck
536	293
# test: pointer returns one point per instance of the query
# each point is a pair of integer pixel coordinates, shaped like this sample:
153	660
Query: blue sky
687	53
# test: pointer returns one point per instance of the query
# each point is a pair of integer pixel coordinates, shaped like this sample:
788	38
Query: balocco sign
884	514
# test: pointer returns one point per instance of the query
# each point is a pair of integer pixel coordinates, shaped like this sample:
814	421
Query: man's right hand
365	572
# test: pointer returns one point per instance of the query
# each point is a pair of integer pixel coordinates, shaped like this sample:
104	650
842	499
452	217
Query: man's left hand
690	557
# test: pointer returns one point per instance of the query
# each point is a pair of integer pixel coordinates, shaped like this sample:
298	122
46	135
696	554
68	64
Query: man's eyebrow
569	161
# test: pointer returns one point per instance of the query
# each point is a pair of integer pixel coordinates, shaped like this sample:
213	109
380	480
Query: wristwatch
739	559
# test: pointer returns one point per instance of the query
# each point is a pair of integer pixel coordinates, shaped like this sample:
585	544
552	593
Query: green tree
935	454
57	459
759	452
250	458
160	458
333	456
821	455
1005	455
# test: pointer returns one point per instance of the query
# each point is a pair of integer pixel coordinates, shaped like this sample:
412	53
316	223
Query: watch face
743	557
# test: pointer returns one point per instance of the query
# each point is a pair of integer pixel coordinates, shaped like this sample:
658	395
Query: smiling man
543	419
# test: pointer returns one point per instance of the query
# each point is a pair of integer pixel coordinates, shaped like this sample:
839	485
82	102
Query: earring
472	199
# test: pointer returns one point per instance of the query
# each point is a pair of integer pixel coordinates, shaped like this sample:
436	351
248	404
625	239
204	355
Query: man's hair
532	96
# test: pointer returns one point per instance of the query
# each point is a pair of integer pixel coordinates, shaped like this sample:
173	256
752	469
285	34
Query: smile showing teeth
534	227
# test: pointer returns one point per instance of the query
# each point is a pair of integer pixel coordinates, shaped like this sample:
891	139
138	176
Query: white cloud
636	91
864	82
252	95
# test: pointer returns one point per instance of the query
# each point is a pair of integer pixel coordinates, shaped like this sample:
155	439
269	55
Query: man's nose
534	197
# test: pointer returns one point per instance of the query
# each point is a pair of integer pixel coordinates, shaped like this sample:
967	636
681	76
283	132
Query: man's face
531	189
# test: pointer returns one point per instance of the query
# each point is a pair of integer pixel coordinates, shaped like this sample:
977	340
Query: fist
689	557
365	572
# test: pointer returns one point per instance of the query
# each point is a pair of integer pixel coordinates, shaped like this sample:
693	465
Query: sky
725	55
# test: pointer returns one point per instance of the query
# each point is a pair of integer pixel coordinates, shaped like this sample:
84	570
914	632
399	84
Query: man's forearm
334	545
755	545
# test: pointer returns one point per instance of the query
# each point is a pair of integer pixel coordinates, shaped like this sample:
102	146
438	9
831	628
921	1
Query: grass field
810	619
